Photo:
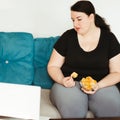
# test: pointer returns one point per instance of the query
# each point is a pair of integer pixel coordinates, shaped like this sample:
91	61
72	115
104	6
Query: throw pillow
43	49
16	57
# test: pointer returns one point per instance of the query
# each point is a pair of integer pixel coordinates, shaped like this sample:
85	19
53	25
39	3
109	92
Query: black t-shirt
94	63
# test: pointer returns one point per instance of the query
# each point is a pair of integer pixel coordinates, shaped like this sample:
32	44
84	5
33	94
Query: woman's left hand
94	90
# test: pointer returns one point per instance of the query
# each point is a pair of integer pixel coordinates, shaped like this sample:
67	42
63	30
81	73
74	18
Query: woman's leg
105	102
71	102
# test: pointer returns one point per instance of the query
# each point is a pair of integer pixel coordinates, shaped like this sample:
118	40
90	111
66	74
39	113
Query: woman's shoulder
69	32
108	34
109	37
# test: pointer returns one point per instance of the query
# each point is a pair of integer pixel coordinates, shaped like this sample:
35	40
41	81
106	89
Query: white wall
51	17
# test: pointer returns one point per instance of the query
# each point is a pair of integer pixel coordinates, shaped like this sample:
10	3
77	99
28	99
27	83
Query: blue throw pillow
43	49
16	57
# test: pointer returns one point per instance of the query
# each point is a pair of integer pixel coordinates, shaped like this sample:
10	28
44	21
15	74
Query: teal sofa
23	60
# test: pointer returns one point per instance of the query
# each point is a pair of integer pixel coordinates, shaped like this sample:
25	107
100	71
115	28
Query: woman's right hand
68	82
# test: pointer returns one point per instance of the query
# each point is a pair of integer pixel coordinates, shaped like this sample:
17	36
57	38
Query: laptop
20	101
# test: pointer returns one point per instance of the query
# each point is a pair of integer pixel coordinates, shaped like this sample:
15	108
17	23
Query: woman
90	49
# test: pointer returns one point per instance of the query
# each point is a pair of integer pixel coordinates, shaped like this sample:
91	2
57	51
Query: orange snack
88	83
74	75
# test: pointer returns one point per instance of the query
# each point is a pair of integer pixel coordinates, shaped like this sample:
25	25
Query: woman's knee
106	102
71	102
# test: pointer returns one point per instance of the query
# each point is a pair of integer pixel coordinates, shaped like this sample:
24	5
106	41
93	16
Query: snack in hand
88	83
74	75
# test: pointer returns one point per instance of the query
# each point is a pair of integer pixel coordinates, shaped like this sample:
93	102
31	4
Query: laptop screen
20	101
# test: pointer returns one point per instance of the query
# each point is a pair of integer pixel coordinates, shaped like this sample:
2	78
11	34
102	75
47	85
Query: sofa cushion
16	57
46	107
43	49
49	110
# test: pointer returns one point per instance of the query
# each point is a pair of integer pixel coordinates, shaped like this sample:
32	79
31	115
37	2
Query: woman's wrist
99	84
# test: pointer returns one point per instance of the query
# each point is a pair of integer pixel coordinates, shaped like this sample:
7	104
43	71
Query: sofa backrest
24	59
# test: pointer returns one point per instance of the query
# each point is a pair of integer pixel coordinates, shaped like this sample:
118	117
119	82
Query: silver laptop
20	101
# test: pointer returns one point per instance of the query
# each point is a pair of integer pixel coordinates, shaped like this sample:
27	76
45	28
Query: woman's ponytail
100	22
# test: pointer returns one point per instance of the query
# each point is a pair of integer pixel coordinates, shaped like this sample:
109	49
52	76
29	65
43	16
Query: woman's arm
114	76
54	69
54	66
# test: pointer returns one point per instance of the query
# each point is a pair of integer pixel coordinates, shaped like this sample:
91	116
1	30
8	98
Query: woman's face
81	22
